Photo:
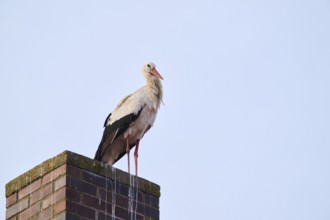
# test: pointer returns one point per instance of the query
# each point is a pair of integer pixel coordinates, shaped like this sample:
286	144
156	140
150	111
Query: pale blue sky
244	132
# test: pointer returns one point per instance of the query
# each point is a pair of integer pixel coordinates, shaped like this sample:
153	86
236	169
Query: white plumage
131	119
133	103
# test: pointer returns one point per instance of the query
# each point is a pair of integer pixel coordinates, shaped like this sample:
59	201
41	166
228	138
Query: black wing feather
106	120
111	132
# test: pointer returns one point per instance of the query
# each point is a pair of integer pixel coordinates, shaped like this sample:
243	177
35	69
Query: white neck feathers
155	87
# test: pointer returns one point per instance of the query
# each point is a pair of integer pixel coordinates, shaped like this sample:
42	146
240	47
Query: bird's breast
142	123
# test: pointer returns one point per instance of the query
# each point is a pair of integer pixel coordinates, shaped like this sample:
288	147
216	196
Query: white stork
131	119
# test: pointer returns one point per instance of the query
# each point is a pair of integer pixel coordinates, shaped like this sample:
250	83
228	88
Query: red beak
156	73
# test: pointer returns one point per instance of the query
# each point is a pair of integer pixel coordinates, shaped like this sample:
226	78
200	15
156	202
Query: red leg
136	154
127	151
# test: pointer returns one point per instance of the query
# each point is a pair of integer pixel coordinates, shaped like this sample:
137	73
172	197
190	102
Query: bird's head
149	70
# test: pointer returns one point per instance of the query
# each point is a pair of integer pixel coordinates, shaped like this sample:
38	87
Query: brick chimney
71	186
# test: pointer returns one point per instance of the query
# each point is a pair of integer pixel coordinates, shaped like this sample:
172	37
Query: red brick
13	218
53	198
72	192
151	212
124	203
105	194
135	216
48	201
43	195
25	215
73	195
59	195
105	216
48	178
153	201
33	210
53	175
36	196
93	202
11	199
136	194
121	200
68	215
60	182
29	189
47	190
60	207
47	213
74	171
140	207
139	217
80	210
18	207
121	213
122	189
96	179
81	186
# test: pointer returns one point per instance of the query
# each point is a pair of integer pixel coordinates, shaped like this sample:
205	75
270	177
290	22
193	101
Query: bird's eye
148	65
